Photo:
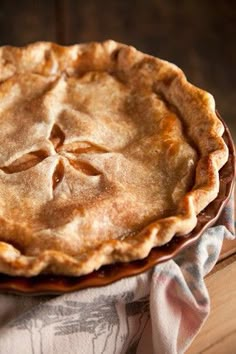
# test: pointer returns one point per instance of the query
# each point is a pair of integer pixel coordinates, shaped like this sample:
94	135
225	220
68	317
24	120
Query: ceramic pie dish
107	153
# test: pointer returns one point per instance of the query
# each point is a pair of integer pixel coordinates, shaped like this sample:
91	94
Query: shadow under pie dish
106	153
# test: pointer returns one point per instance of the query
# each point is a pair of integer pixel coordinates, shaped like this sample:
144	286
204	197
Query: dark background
197	35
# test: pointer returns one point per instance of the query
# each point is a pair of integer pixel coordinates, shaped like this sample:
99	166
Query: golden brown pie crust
105	153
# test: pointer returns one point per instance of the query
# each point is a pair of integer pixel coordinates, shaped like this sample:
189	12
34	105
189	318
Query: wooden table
218	335
199	36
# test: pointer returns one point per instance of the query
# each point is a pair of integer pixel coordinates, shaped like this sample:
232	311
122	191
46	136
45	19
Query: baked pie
105	153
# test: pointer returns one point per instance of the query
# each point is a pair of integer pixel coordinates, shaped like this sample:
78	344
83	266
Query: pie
105	153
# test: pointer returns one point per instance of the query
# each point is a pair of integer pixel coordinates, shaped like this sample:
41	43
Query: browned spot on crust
115	54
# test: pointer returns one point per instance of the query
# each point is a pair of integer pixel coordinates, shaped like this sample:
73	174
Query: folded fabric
159	311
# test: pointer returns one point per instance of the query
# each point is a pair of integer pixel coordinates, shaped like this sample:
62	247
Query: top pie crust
105	153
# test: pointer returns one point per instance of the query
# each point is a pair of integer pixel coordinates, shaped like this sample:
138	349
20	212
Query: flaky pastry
105	153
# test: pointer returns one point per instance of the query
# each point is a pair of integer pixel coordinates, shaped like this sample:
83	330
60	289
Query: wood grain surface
26	21
199	36
218	335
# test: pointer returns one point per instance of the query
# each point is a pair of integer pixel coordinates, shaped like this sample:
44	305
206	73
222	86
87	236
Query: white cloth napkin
159	311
